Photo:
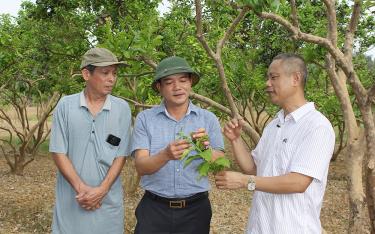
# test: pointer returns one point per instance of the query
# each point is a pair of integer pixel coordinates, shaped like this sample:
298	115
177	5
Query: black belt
177	202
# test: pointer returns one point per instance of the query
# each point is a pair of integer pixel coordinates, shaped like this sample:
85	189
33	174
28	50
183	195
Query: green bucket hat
173	65
100	57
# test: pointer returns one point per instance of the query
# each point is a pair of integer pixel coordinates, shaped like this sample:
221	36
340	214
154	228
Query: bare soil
26	202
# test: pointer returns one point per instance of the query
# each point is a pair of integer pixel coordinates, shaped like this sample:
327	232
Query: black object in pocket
113	140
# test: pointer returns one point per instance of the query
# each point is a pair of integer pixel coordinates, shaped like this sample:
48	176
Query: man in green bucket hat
89	140
174	200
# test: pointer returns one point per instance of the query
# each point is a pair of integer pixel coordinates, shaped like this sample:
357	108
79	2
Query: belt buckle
177	204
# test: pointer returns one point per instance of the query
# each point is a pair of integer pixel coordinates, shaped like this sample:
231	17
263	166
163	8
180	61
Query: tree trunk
356	151
131	177
368	122
18	168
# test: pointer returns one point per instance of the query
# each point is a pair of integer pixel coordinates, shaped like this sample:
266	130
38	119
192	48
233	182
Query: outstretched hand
232	129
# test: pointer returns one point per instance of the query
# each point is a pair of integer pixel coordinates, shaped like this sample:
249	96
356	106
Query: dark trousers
157	217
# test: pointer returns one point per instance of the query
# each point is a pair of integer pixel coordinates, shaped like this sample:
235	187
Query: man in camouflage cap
89	140
174	201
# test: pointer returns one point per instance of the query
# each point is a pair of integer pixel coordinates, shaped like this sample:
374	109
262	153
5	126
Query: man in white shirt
289	166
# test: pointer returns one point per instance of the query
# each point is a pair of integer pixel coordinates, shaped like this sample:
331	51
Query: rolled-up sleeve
140	138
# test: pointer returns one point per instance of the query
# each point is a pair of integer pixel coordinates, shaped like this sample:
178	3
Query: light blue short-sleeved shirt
154	129
82	137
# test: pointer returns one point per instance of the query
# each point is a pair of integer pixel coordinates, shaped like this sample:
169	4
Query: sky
12	7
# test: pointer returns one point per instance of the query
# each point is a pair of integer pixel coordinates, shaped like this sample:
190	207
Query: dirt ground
26	202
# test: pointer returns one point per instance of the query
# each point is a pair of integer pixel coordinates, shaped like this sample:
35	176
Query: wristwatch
251	184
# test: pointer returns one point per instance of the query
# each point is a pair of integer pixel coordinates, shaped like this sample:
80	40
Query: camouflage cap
100	57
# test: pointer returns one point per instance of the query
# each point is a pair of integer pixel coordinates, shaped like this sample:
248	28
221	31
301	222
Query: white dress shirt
302	142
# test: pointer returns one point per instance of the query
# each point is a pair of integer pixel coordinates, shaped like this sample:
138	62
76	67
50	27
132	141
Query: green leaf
222	161
186	153
206	155
203	169
190	159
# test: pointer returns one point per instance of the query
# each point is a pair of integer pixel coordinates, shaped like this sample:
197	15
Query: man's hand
201	132
231	180
232	129
175	149
90	198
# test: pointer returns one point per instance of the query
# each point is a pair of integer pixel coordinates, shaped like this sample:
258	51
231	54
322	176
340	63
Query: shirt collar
297	114
82	100
162	109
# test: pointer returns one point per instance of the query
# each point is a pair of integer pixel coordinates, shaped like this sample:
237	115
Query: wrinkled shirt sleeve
59	140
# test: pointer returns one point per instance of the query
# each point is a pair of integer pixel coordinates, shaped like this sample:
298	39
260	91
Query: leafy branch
205	153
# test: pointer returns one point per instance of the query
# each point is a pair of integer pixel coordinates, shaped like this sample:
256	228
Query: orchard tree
340	67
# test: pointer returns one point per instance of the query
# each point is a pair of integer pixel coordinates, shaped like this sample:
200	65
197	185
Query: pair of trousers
157	217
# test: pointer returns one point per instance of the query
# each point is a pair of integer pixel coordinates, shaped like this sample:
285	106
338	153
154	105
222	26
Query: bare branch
210	102
247	128
352	27
231	28
198	20
298	35
10	141
140	74
147	60
332	21
321	66
371	94
29	161
217	57
5	84
8	120
135	103
9	162
341	60
294	16
42	119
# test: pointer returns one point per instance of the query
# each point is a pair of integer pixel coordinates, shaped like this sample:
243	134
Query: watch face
251	186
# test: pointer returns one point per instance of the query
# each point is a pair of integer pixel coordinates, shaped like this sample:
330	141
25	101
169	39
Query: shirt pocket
284	158
109	154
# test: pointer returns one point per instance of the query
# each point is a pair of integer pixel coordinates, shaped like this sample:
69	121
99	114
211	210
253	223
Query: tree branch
231	28
210	102
371	94
294	16
7	158
250	131
146	60
51	104
9	142
135	103
298	35
6	118
340	58
352	27
140	74
217	56
332	21
199	34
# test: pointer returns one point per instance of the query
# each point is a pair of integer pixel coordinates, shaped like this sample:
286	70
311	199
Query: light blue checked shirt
82	137
154	129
